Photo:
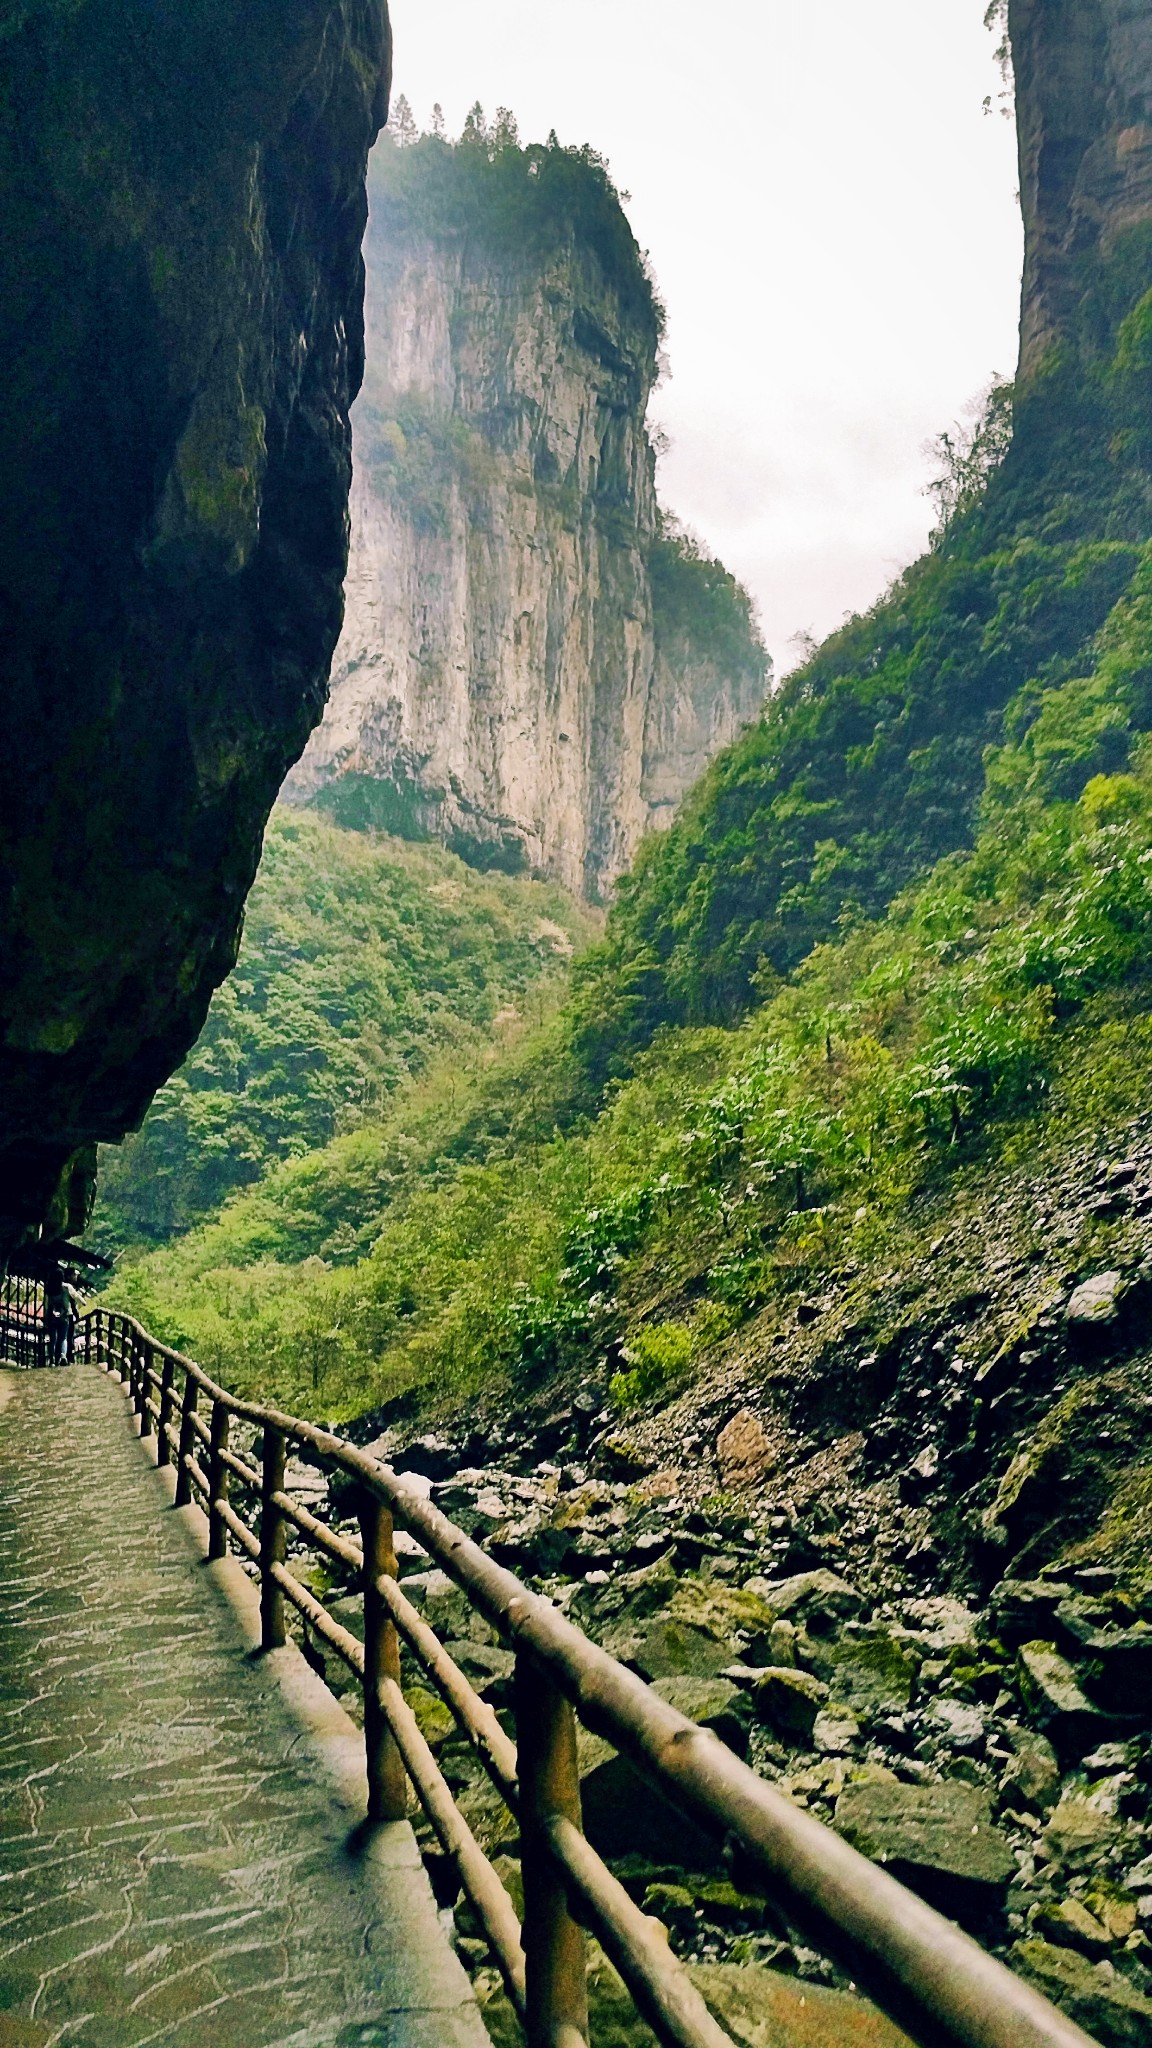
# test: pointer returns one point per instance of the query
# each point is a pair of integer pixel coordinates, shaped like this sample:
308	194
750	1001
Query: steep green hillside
870	761
362	959
811	1001
484	1236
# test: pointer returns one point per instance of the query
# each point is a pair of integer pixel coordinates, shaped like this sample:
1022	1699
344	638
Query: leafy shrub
656	1357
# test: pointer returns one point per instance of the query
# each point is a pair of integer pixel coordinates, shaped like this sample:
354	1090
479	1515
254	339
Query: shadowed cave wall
181	287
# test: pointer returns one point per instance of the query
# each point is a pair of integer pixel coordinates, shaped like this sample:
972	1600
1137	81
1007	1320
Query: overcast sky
833	227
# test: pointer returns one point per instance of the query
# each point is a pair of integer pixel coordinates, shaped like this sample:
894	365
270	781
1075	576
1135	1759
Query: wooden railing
919	1968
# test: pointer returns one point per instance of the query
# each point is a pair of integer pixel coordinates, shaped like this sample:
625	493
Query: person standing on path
61	1304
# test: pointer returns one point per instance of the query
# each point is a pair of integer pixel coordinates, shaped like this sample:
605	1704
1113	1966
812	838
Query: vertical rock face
502	681
1084	112
182	197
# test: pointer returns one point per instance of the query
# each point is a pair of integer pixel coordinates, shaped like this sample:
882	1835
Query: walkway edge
333	1741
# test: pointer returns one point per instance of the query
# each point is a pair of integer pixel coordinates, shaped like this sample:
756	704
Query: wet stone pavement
174	1869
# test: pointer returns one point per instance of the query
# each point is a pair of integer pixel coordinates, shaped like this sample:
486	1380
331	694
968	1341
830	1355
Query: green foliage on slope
501	1237
869	762
699	610
899	925
362	958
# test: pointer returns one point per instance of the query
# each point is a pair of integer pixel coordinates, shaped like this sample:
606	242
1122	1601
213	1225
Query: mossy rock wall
182	191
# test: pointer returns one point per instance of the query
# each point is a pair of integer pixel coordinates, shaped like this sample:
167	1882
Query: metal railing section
927	1975
23	1329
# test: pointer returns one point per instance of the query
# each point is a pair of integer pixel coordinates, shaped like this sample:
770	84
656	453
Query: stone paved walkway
174	1869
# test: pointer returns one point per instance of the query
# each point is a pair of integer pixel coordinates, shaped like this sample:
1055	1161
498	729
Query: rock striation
532	668
1083	72
182	188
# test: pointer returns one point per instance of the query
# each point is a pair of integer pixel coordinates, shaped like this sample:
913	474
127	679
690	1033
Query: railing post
163	1444
140	1382
387	1780
273	1540
554	1949
143	1365
125	1359
187	1442
217	1481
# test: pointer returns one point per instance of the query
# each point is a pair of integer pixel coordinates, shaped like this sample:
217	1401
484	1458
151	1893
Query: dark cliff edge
1084	99
182	191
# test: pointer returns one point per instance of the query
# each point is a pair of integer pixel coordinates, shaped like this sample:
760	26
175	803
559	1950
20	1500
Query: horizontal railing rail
921	1969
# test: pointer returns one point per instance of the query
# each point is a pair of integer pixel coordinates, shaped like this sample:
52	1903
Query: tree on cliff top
512	197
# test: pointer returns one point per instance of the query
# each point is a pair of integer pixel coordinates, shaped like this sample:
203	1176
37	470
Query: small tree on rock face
506	133
996	19
475	127
402	125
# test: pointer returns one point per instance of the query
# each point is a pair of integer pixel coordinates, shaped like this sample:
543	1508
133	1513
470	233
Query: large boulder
1066	1471
182	198
938	1839
1096	1996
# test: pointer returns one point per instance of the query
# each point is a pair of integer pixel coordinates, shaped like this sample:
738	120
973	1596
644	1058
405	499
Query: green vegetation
520	202
362	959
899	931
699	608
501	1237
869	763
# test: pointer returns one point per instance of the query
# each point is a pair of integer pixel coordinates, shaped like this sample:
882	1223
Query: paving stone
174	1868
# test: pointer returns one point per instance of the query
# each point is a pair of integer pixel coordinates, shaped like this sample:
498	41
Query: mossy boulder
1066	1473
1103	2002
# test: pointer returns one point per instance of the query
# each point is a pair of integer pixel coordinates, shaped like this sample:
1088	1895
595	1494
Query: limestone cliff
1084	114
182	196
513	677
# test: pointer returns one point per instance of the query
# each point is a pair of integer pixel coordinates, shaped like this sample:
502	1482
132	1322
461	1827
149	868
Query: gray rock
1077	1833
938	1839
1069	1924
483	1664
1022	1609
959	1727
1122	1656
1052	1691
812	1597
789	1701
835	1732
632	1595
873	1670
1097	1300
1109	2008
674	1649
1033	1773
